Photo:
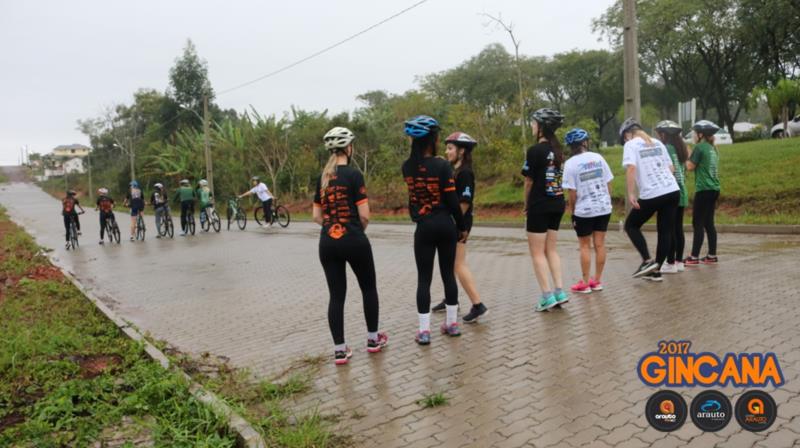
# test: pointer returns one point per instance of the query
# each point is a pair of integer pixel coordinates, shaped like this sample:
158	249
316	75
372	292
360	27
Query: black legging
334	255
678	239
104	217
66	223
187	208
705	203
435	233
267	206
665	207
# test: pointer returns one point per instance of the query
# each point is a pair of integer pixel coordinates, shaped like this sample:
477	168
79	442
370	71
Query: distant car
722	137
794	128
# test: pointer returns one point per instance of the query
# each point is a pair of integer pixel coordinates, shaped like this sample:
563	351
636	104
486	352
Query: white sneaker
667	268
263	226
269	225
681	266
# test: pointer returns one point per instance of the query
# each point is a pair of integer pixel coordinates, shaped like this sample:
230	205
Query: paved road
565	378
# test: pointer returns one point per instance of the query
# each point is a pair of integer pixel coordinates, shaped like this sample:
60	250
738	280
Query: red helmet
461	139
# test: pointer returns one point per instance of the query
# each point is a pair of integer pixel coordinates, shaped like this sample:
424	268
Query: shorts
587	226
542	222
136	210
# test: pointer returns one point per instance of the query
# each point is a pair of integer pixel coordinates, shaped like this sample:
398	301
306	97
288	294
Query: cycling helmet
420	126
254	179
461	139
203	182
102	191
184	181
576	136
705	127
71	193
548	118
668	127
338	138
134	184
158	185
628	125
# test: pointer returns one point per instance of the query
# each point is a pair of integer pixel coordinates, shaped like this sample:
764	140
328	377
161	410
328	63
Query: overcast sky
62	61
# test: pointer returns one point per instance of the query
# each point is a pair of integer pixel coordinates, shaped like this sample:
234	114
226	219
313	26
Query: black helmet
668	127
71	193
705	127
548	118
628	125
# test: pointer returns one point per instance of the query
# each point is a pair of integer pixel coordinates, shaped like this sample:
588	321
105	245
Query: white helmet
203	182
338	138
102	191
158	185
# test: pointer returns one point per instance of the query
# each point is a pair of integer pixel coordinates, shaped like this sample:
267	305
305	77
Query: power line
324	50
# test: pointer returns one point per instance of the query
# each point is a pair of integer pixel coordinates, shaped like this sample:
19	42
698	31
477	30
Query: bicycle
112	229
140	229
72	243
166	227
209	220
190	226
279	214
235	211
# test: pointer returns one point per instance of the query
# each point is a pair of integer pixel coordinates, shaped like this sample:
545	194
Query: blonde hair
643	135
330	169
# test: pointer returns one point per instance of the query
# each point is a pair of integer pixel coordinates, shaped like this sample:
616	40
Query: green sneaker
562	297
546	303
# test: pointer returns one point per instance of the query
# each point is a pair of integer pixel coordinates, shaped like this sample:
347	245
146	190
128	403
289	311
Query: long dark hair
466	160
420	145
550	135
680	147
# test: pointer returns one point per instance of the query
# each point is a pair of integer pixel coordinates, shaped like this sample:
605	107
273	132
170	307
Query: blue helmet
576	135
134	184
420	126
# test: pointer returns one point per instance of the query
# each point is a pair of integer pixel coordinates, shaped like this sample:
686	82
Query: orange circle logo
667	407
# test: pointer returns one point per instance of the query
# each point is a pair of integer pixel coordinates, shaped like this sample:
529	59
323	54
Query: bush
757	133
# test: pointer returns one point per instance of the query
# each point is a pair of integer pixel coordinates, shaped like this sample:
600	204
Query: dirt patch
10	420
94	365
45	272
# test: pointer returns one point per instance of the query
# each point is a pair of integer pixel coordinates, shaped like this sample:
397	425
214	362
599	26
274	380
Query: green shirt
184	194
706	160
680	175
204	194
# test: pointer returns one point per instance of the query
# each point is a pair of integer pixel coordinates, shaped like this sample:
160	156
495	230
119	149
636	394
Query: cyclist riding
135	200
260	189
68	205
105	204
186	195
160	203
206	199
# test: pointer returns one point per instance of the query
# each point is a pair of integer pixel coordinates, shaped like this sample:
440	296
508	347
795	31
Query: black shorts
542	222
587	226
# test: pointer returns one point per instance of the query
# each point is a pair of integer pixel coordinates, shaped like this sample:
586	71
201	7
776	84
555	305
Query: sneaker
681	267
439	308
708	259
423	337
691	261
341	357
158	237
562	297
376	345
595	285
79	233
581	287
131	239
645	268
269	226
546	303
183	234
475	312
450	330
668	268
654	276
101	242
263	226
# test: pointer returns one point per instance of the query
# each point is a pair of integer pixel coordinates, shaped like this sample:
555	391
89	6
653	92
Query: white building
71	151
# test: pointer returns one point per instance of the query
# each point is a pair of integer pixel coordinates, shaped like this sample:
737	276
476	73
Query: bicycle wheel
73	236
109	231
258	214
205	224
140	228
161	228
116	236
241	219
169	228
229	215
283	217
216	223
190	225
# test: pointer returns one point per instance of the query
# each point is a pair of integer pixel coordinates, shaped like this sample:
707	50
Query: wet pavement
519	378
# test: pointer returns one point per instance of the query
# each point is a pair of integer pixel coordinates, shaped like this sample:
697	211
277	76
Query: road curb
247	435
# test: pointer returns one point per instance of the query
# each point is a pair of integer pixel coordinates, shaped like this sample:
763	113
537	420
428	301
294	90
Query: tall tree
188	80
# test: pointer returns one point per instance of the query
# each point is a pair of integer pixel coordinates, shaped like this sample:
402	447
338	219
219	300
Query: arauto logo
665	410
675	365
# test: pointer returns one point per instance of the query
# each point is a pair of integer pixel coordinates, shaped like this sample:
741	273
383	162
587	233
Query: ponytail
555	145
330	169
643	135
419	146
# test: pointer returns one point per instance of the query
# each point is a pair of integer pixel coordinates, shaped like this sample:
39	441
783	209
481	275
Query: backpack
68	204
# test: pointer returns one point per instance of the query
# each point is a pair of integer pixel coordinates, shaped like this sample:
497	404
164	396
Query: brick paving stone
519	378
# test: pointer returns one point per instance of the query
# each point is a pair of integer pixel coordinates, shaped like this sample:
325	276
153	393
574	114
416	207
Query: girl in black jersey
341	208
459	154
433	205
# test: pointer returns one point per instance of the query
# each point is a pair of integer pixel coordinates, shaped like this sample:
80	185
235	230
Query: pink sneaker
374	346
595	285
581	287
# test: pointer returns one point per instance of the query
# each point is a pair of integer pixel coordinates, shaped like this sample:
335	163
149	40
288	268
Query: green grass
759	183
433	400
68	376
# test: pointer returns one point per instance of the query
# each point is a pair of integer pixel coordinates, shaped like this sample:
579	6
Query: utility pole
133	165
91	190
209	166
633	100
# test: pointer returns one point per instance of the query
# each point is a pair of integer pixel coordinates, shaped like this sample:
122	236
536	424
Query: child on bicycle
134	200
205	197
68	205
159	201
105	204
186	195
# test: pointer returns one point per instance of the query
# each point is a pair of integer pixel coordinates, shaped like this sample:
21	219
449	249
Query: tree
188	80
781	99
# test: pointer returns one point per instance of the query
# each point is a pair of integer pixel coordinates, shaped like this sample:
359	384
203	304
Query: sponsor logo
711	410
756	410
666	410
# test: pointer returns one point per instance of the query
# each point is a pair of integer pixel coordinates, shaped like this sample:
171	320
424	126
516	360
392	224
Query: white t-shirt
589	174
261	191
653	174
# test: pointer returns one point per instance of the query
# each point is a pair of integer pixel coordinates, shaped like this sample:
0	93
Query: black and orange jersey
68	205
105	203
339	202
431	189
